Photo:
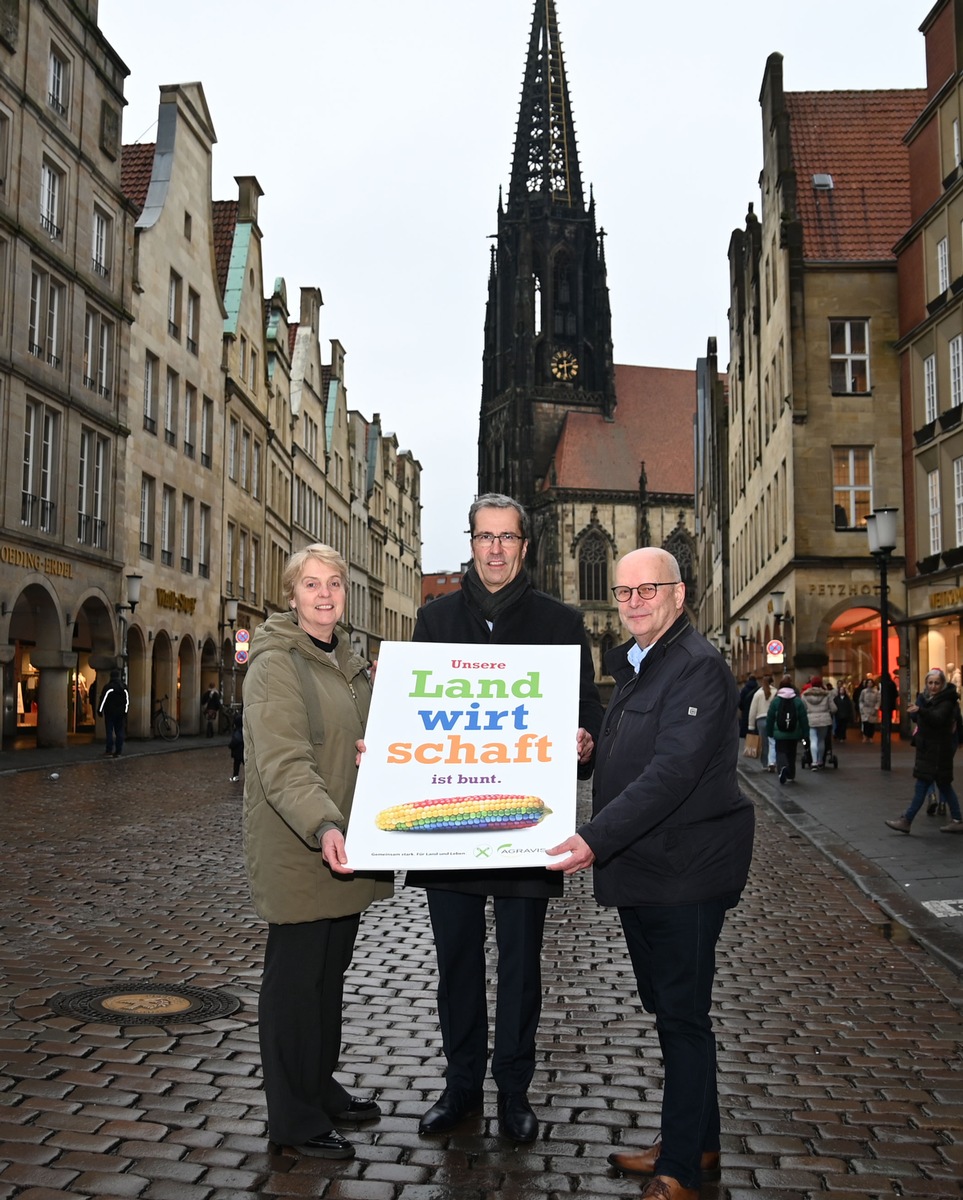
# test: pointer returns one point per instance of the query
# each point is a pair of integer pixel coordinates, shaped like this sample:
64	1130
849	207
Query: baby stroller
830	759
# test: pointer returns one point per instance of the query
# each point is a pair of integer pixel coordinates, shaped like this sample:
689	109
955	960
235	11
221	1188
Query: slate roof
136	167
293	336
653	424
225	222
857	137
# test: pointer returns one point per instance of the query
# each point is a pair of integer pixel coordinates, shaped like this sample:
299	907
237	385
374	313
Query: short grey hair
294	567
498	500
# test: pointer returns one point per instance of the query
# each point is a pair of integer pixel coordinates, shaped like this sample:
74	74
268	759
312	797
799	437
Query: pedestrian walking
114	704
820	707
845	712
496	605
868	707
788	724
936	738
758	720
749	689
211	706
306	699
236	746
670	840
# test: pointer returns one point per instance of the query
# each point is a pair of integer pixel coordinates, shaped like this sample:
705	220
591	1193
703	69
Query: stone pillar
53	695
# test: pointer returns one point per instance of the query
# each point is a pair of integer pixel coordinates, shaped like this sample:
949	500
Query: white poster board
471	757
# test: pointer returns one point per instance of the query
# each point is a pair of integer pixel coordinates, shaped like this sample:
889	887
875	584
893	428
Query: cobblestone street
839	1037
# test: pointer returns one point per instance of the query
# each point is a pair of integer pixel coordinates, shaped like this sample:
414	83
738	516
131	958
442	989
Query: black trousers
672	948
458	924
299	1025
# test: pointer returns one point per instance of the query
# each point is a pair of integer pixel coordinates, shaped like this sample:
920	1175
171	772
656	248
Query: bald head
648	619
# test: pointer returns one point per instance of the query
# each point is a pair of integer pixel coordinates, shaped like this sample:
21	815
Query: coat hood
786	693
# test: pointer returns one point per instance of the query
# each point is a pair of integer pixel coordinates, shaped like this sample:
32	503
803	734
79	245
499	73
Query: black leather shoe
515	1117
454	1106
326	1145
357	1111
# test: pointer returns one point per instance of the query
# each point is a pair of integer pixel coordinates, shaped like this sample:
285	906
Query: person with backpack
788	724
113	707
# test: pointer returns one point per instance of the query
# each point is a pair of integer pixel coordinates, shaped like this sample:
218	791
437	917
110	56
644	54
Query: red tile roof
857	137
136	167
293	336
225	222
653	424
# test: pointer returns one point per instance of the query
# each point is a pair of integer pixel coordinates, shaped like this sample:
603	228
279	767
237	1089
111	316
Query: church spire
545	162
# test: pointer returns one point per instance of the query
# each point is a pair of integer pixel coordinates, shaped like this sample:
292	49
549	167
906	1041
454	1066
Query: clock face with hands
564	365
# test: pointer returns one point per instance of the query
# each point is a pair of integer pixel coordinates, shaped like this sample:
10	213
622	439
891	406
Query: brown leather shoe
642	1162
664	1187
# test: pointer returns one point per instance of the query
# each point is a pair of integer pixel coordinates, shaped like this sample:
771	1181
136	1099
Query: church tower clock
548	330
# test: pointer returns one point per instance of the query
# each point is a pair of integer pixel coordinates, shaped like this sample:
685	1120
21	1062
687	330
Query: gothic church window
593	569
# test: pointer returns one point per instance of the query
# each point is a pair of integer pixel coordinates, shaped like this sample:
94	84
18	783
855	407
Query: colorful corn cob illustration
463	814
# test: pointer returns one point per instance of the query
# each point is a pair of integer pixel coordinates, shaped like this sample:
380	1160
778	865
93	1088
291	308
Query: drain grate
141	1002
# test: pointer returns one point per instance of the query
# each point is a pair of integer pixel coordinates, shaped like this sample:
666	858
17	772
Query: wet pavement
840	1035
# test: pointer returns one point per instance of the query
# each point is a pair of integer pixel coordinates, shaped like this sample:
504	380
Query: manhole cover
144	1003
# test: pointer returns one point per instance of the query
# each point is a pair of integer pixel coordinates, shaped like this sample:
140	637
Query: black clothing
534	619
936	735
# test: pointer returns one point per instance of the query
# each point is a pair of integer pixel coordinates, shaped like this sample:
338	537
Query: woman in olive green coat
306	700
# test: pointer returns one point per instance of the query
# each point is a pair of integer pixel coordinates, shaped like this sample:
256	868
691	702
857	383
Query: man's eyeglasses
506	539
646	590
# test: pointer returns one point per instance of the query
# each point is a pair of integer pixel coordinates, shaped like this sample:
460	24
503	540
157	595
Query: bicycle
163	724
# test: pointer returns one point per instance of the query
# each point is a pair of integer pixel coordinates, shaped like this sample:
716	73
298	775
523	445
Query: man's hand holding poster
471	757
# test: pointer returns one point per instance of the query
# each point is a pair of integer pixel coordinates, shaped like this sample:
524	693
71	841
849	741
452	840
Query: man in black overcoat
671	842
496	604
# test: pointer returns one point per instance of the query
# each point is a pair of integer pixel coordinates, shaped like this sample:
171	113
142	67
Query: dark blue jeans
920	793
114	729
673	953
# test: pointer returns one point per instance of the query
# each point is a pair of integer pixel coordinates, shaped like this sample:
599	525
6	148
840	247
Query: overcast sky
380	132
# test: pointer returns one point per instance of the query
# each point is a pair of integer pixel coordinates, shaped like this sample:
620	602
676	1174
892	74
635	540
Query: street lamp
781	622
230	617
133	599
881	532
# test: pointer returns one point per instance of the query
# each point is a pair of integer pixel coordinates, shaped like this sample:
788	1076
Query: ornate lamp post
881	532
133	599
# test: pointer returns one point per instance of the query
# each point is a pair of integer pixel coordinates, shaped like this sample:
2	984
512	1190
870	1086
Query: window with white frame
204	541
930	399
193	320
167	525
91	484
187	534
101	241
232	443
241	561
933	507
174	305
41	429
51	198
151	368
942	265
46	317
849	356
98	353
207	432
170	408
58	80
852	486
190	419
245	458
958	499
229	564
956	370
147	491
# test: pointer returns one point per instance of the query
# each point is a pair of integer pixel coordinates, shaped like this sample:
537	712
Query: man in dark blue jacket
496	605
671	842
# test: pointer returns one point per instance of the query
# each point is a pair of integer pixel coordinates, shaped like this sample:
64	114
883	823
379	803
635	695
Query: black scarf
490	605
